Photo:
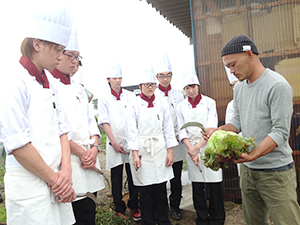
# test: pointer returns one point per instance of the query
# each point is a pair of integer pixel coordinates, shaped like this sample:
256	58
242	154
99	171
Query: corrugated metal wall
274	26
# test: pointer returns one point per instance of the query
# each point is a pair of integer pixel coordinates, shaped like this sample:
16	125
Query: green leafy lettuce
223	146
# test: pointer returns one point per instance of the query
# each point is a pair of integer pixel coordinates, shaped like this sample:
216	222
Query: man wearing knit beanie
263	106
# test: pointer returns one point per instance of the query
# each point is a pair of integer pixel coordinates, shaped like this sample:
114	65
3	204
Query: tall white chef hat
73	41
148	75
190	80
114	69
51	23
230	76
163	64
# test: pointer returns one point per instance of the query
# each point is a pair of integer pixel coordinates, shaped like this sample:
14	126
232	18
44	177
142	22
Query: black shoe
176	214
1	199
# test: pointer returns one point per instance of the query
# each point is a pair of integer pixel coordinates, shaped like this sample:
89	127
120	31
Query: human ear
37	44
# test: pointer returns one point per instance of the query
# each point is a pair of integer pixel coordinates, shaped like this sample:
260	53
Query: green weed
105	215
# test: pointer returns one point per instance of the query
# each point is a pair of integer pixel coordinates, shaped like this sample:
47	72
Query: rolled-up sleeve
15	100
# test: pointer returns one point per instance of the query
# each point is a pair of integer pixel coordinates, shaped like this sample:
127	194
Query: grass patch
105	215
102	141
184	165
2	214
2	206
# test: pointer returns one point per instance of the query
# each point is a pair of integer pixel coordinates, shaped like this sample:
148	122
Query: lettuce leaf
223	146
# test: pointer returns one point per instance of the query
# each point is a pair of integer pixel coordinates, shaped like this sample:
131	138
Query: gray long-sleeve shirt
264	108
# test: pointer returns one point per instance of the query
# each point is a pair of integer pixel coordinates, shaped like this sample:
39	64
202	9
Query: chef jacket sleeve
103	116
180	120
13	119
179	97
94	130
132	126
229	112
212	117
168	125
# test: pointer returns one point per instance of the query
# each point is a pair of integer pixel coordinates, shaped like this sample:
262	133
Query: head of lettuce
223	146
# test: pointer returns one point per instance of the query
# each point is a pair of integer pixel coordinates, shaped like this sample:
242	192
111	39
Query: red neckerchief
166	90
115	93
64	79
197	100
149	100
33	71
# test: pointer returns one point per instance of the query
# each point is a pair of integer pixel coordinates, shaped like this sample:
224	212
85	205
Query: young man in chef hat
112	117
83	135
38	179
163	71
151	139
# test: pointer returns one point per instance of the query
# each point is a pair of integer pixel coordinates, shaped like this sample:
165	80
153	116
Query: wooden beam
214	8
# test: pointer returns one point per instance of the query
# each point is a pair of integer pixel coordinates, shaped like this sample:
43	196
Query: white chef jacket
206	113
15	99
75	99
229	112
104	104
212	120
24	190
133	118
177	95
113	112
174	98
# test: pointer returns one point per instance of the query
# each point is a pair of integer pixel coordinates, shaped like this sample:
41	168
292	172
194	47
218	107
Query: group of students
48	130
143	132
51	136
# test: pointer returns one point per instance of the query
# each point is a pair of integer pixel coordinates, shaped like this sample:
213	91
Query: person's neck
257	72
116	89
38	66
165	86
66	75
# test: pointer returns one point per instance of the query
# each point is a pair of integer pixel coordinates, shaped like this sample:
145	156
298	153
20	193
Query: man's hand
193	151
90	159
63	184
196	159
137	162
169	159
67	197
210	132
118	148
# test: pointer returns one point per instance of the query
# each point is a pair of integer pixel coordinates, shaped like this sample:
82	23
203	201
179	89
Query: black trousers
117	186
215	213
176	186
84	211
154	204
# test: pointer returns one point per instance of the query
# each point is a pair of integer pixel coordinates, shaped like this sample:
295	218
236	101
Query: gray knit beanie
237	44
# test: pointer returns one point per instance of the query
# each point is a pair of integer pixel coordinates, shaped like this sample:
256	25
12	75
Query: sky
131	31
